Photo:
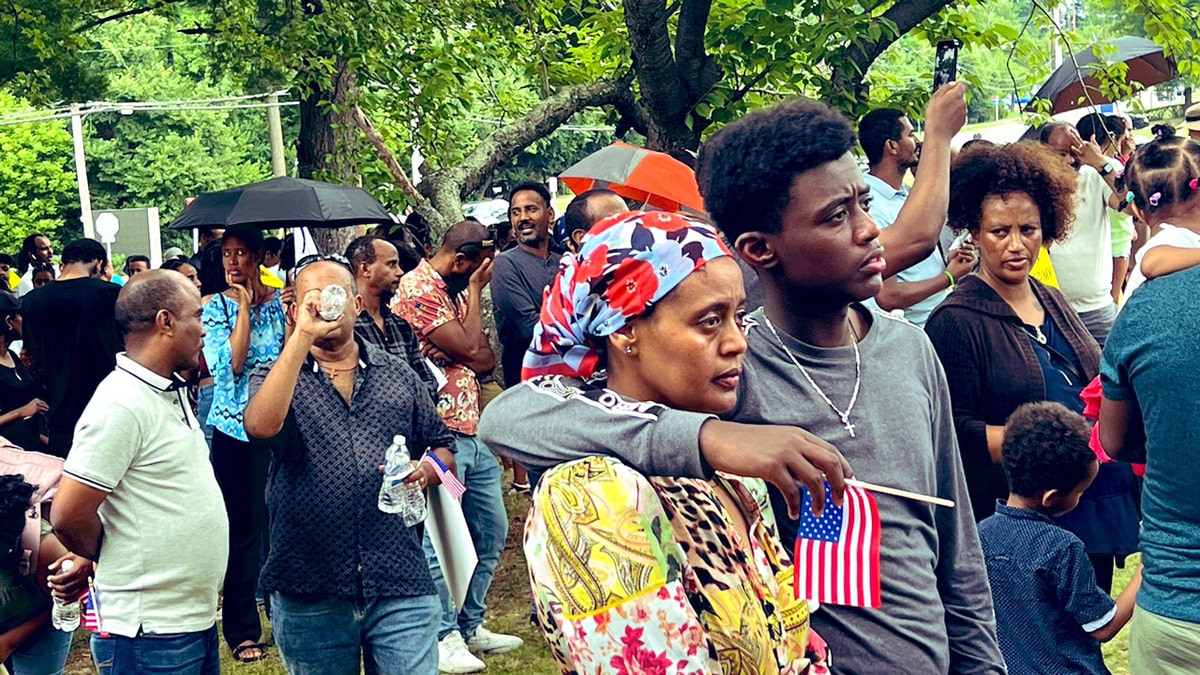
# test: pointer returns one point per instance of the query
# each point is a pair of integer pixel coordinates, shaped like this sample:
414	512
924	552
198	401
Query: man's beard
534	240
457	284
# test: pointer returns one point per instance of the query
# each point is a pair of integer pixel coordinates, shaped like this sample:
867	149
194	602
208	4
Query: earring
629	350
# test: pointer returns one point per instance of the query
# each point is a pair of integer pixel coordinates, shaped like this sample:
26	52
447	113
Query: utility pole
275	132
85	196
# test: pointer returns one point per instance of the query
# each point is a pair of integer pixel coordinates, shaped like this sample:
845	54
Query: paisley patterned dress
648	575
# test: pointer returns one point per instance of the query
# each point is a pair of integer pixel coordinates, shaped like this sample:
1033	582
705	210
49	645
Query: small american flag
91	614
451	482
837	555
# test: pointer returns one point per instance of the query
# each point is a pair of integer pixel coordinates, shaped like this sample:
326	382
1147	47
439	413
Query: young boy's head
1046	457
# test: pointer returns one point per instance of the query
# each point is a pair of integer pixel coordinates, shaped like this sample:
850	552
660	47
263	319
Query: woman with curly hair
1006	339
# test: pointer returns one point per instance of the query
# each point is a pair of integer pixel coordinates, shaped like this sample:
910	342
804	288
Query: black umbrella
1147	66
284	202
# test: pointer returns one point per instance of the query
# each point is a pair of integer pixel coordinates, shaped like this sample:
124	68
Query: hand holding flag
837	555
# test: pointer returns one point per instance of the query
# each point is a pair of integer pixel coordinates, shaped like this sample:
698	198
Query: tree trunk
326	142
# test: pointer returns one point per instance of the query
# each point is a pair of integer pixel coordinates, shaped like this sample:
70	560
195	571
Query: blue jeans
177	653
483	506
46	655
326	635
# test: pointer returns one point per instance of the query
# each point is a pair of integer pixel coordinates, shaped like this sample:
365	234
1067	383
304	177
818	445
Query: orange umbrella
642	175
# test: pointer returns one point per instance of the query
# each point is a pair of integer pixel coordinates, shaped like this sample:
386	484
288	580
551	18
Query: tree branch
749	86
511	138
398	176
906	14
127	13
632	114
696	68
663	89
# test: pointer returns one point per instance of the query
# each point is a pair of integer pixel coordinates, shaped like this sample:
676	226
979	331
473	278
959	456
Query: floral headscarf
627	263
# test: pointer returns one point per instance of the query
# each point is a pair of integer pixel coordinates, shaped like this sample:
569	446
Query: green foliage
37	181
41	42
159	158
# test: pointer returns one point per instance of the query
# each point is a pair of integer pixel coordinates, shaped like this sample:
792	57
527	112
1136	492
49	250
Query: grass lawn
508	612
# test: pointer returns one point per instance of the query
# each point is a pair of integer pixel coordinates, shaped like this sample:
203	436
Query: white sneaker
487	642
453	656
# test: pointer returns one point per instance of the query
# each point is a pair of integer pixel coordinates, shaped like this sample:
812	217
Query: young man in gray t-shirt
782	185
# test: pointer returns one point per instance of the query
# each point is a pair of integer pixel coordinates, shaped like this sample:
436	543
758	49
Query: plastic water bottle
396	496
65	614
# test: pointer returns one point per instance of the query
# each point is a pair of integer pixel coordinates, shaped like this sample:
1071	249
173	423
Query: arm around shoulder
550	420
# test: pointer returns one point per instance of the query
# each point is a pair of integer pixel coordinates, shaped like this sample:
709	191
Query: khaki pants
1162	646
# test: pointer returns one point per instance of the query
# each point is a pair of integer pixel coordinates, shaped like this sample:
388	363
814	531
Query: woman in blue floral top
246	328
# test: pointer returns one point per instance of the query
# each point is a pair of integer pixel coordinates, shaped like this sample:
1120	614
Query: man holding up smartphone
887	137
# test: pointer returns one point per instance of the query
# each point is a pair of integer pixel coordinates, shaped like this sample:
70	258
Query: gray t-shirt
937	614
166	535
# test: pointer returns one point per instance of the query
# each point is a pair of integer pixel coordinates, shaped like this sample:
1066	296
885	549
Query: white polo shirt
166	534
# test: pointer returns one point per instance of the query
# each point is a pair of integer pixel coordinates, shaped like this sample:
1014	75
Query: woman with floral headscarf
636	573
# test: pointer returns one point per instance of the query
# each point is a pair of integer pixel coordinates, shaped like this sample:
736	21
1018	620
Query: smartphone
945	64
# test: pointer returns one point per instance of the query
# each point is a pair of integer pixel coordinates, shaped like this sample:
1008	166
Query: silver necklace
845	416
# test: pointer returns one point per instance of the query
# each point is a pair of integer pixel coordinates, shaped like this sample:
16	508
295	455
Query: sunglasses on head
322	257
473	248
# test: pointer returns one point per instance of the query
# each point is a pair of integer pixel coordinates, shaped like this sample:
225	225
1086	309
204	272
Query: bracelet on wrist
951	278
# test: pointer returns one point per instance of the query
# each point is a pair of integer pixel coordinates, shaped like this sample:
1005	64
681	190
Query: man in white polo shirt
139	497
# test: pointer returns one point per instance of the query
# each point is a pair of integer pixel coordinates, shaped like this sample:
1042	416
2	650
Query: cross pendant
849	427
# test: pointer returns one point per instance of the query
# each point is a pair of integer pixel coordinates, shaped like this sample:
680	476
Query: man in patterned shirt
348	582
376	264
442	300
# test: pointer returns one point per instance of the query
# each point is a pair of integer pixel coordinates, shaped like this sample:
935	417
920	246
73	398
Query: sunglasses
322	257
473	248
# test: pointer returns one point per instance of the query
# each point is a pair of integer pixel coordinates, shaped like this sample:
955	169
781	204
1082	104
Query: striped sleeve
106	441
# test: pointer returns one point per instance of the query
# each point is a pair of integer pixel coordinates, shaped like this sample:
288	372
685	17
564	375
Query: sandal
241	649
521	489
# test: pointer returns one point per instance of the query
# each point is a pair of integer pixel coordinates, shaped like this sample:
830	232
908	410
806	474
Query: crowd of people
672	390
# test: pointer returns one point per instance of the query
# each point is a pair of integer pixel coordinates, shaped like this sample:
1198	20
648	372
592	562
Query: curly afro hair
1046	448
15	494
1032	168
746	170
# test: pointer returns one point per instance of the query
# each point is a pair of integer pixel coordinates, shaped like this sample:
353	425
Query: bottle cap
67	566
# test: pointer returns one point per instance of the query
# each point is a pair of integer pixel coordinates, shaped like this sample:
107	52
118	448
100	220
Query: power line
130	107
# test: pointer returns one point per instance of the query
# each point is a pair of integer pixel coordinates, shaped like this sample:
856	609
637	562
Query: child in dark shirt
1050	614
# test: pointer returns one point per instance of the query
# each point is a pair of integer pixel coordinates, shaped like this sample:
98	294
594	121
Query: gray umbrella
1147	66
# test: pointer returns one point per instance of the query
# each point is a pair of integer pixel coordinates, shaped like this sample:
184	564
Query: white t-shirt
165	530
1168	235
1083	262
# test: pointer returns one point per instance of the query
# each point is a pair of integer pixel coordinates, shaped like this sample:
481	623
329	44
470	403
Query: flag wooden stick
937	501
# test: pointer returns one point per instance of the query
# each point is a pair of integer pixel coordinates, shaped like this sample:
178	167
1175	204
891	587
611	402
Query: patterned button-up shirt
398	339
328	536
423	300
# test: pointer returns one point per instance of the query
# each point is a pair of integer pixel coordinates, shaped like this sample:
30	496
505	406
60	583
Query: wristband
950	277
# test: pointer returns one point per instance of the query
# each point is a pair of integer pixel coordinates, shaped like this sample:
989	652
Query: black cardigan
992	370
